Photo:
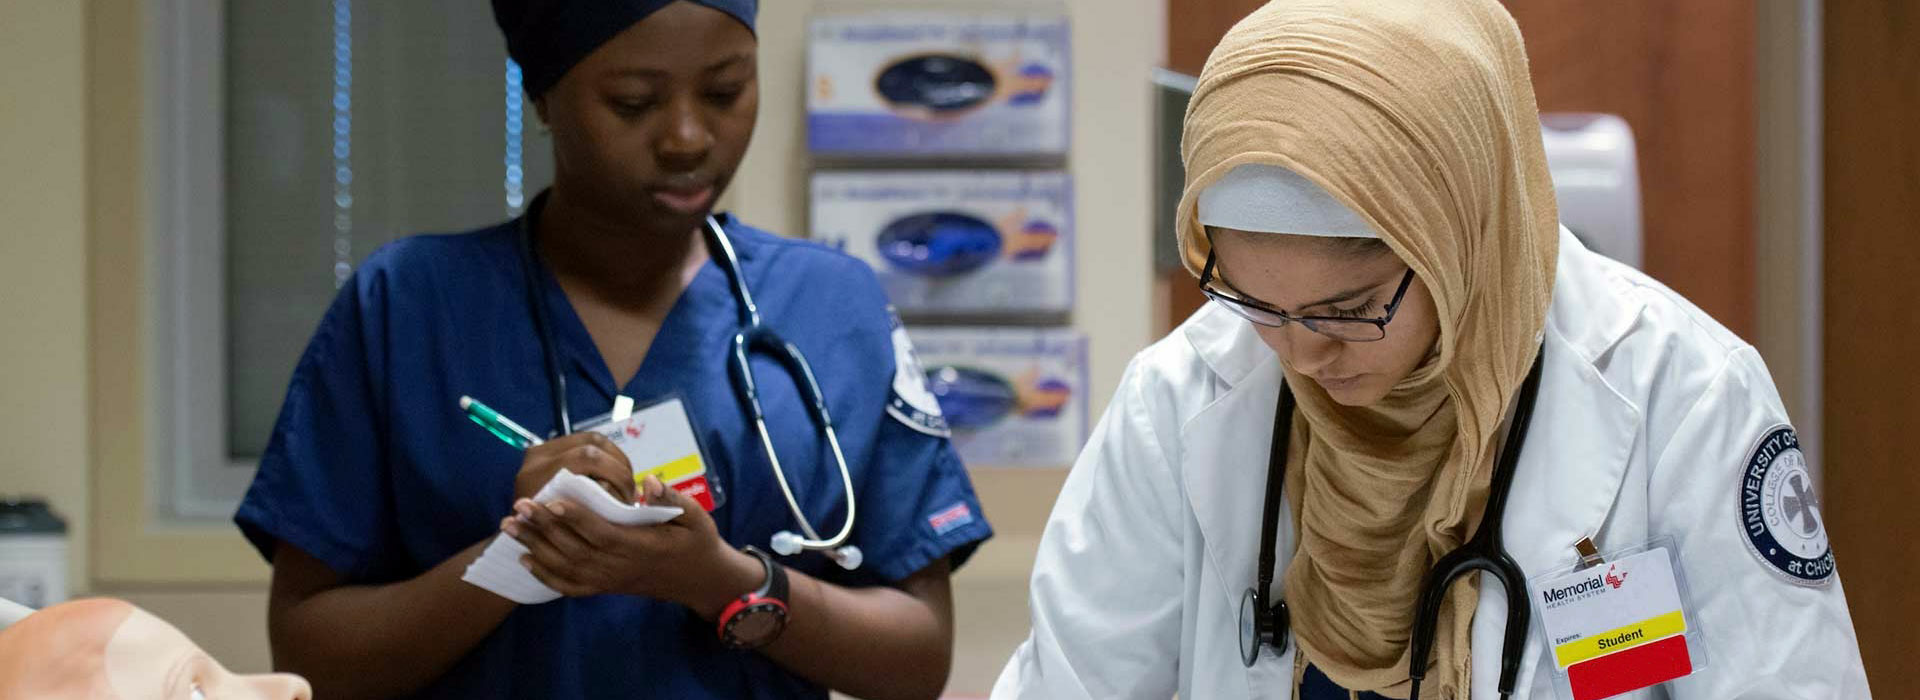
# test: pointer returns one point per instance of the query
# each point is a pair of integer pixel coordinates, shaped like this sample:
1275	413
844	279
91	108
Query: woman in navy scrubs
376	492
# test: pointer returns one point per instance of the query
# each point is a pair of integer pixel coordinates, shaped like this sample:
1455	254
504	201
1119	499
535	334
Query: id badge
1619	625
659	440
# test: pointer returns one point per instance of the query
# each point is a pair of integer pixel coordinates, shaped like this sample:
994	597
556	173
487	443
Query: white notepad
498	569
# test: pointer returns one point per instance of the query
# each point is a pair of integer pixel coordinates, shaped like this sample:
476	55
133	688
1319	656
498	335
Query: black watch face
1249	629
757	625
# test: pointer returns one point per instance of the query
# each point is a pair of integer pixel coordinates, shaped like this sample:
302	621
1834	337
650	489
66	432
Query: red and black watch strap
769	601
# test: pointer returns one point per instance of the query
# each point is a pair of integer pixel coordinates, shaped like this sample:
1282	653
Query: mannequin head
109	649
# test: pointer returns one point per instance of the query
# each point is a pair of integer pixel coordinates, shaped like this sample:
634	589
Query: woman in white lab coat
1368	205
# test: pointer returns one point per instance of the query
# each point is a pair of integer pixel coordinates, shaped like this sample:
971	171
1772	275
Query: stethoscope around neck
752	336
1263	624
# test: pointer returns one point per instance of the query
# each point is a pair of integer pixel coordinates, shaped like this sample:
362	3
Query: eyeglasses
1351	330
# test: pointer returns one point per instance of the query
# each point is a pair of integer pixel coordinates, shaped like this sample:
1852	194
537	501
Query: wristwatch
757	618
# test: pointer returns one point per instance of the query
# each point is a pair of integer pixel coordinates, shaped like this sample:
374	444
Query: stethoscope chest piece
1260	625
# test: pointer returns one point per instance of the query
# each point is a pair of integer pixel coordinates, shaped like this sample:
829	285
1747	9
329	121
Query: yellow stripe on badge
675	470
1620	639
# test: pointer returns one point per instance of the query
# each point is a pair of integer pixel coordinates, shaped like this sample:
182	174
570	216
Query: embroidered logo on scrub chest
910	402
1779	513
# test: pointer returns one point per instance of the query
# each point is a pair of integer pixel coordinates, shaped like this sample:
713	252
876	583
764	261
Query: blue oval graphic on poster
939	83
971	399
939	244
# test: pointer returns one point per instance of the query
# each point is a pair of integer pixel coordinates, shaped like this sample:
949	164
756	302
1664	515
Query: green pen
501	426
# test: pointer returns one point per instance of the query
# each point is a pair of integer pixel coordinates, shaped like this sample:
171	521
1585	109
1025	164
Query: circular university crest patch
1779	513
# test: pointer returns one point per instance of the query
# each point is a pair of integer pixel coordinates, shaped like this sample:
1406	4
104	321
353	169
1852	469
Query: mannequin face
110	650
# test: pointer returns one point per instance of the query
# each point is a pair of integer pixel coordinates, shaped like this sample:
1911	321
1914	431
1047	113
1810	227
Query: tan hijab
1419	115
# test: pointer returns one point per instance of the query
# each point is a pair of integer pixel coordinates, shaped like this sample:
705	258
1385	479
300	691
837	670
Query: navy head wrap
547	37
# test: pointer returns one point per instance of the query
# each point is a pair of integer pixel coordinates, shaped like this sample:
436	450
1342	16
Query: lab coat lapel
1225	467
1564	487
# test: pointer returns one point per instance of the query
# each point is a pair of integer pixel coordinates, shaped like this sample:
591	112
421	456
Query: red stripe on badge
696	489
1630	669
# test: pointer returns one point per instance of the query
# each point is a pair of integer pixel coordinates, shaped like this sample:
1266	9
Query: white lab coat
1648	411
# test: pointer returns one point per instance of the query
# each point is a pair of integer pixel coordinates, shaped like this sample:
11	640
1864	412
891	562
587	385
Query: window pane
351	124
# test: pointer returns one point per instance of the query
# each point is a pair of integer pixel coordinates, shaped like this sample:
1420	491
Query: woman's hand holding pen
586	453
684	560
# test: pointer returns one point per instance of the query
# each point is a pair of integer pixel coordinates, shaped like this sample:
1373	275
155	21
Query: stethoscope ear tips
848	557
786	543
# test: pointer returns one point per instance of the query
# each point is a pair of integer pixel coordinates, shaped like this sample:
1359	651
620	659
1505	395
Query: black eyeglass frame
1241	304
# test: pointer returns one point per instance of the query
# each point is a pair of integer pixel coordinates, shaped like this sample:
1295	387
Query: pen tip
466	402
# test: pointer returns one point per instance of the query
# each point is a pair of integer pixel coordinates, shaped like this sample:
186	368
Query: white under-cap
1270	199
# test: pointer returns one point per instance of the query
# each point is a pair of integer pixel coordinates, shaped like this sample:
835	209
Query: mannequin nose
278	686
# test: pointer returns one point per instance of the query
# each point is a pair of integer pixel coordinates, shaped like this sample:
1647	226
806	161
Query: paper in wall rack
1014	397
956	244
938	84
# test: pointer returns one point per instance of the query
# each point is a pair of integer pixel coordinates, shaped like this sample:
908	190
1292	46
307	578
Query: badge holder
661	439
1618	622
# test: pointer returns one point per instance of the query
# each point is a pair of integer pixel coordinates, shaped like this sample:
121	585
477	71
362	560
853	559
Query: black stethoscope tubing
1485	551
753	335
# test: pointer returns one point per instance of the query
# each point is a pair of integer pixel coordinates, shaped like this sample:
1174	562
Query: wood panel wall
1871	261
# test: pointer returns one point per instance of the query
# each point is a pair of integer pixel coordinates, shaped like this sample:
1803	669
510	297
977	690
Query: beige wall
43	292
228	620
1116	43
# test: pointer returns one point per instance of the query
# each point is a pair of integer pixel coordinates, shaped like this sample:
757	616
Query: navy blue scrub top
1315	685
374	470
